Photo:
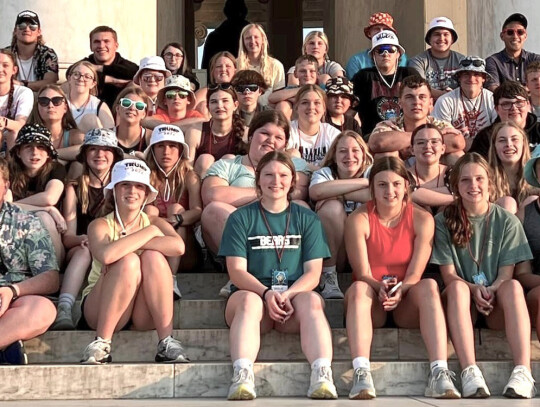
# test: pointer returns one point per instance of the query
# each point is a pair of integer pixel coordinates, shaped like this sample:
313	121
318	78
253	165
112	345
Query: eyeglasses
147	77
127	103
511	31
520	104
171	55
171	94
85	77
22	26
386	48
474	62
56	100
435	142
242	88
220	86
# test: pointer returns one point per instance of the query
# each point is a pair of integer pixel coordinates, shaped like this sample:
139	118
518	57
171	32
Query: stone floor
281	402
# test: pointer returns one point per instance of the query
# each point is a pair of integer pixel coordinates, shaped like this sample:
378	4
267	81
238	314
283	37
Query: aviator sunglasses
22	26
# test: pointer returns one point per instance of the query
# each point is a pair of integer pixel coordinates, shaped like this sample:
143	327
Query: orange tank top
390	249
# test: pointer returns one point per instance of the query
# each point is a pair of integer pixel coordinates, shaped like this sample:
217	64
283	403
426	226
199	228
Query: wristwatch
14	291
179	220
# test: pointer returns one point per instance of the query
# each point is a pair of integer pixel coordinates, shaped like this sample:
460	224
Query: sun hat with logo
177	82
167	132
34	134
100	138
131	170
153	63
385	37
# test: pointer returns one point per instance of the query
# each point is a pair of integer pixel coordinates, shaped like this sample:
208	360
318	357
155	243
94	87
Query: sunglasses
474	62
147	77
242	88
170	55
127	103
171	94
22	26
220	86
512	31
56	100
85	77
386	48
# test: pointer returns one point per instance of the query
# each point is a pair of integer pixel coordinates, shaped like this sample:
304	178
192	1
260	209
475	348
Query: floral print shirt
26	249
46	60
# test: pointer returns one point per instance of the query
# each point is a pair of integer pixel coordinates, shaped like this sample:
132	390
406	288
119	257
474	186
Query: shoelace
472	371
521	375
332	279
242	375
324	373
447	373
171	343
99	342
361	374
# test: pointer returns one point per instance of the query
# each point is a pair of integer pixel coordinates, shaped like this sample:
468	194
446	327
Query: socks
361	362
66	298
330	269
321	362
438	364
243	364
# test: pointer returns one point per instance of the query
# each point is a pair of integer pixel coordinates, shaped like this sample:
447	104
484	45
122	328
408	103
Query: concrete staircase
399	367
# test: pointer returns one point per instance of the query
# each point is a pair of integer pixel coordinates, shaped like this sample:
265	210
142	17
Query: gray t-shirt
438	72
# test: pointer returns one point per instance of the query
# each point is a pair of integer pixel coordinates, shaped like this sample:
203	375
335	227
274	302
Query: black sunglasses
56	100
220	86
474	62
242	88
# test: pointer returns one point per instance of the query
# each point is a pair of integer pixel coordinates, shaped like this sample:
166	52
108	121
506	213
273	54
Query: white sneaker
243	385
322	384
441	385
97	352
363	388
226	290
473	384
520	385
176	290
329	286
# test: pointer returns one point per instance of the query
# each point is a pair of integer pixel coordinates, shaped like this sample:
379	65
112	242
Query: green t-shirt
247	236
506	244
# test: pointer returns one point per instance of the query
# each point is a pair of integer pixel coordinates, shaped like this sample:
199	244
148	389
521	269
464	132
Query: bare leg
213	220
76	270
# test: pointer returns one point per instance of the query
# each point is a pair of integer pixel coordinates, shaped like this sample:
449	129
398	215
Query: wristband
14	291
25	82
264	294
179	220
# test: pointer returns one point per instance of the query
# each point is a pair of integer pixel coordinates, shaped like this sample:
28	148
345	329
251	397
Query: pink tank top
390	249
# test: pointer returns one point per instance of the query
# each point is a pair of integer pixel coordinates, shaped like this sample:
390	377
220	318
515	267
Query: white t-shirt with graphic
312	148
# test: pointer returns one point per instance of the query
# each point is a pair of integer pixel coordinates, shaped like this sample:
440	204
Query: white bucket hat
177	82
154	63
386	37
167	132
441	22
131	170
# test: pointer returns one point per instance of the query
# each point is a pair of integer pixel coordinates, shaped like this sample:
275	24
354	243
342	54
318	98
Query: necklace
418	178
82	109
471	116
25	75
387	222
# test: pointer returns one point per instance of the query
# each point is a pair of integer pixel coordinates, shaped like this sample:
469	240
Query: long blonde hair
178	179
500	177
318	34
330	158
265	64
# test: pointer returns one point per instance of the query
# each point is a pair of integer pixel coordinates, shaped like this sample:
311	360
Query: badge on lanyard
279	281
480	279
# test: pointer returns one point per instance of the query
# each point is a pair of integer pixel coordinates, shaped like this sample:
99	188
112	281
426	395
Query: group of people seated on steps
420	176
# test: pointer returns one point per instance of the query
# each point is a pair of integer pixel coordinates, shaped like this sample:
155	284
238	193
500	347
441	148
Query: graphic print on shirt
267	242
387	104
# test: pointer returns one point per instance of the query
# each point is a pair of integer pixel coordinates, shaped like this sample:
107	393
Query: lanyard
279	253
478	261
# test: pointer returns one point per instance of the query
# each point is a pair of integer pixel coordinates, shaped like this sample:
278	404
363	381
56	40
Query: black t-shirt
349	124
34	186
482	140
378	102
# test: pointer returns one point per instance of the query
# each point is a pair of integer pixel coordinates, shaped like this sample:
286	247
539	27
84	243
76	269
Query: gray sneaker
473	384
441	385
226	290
363	388
329	286
170	350
243	385
97	352
176	290
322	384
64	319
520	385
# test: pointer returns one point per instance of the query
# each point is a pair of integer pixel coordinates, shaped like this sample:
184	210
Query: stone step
288	379
204	345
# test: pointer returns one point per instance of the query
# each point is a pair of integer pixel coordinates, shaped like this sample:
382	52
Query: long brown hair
455	216
500	178
19	178
10	55
68	122
330	158
395	165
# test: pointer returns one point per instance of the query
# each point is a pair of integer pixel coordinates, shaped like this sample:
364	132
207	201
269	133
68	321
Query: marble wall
67	23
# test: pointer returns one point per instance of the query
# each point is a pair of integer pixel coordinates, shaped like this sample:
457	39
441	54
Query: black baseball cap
516	18
27	15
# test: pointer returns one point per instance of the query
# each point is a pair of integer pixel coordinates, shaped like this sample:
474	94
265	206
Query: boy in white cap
151	78
439	63
377	88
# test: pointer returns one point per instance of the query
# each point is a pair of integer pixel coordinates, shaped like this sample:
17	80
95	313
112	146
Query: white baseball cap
385	37
167	132
153	63
441	22
131	170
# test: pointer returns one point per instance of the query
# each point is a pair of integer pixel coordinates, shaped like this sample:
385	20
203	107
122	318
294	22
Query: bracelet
25	83
14	291
264	294
179	220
